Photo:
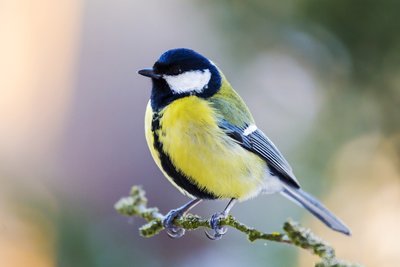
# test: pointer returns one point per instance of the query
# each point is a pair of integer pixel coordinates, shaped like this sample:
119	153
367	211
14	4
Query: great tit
205	141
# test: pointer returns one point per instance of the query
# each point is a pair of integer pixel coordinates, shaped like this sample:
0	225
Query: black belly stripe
179	178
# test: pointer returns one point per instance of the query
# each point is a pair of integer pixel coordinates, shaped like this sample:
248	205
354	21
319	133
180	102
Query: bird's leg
215	221
168	221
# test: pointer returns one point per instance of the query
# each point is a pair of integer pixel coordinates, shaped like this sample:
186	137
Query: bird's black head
181	72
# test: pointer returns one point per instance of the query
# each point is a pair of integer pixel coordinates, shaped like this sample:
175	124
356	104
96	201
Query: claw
219	231
214	236
176	232
168	223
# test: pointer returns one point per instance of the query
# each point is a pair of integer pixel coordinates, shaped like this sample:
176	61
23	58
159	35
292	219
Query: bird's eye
176	70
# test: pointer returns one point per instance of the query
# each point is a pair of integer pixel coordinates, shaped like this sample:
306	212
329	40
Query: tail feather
310	203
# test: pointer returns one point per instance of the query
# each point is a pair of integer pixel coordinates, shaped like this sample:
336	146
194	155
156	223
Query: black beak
149	73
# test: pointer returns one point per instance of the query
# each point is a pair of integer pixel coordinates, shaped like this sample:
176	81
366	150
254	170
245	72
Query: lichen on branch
293	234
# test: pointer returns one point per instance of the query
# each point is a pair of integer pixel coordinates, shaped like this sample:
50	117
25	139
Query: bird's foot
219	230
168	223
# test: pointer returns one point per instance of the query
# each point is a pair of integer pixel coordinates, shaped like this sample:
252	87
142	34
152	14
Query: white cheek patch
190	81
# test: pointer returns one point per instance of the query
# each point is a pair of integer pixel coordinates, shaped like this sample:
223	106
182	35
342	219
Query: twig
136	205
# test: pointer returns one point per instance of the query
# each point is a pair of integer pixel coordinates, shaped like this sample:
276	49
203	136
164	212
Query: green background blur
321	77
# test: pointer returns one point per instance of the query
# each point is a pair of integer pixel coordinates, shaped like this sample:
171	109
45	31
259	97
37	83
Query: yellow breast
198	148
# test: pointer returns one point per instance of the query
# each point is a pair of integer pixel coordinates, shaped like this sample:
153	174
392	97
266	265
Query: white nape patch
189	81
249	130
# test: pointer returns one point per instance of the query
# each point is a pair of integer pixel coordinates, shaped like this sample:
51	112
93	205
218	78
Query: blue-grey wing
257	142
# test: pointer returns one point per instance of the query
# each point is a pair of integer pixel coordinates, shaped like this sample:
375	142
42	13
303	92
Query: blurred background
321	77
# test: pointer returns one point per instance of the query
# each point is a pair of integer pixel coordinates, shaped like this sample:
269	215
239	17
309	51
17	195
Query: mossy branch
136	205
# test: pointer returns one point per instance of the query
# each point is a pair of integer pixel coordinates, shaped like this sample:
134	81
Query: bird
205	141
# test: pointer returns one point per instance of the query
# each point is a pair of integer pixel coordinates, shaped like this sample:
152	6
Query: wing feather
258	143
